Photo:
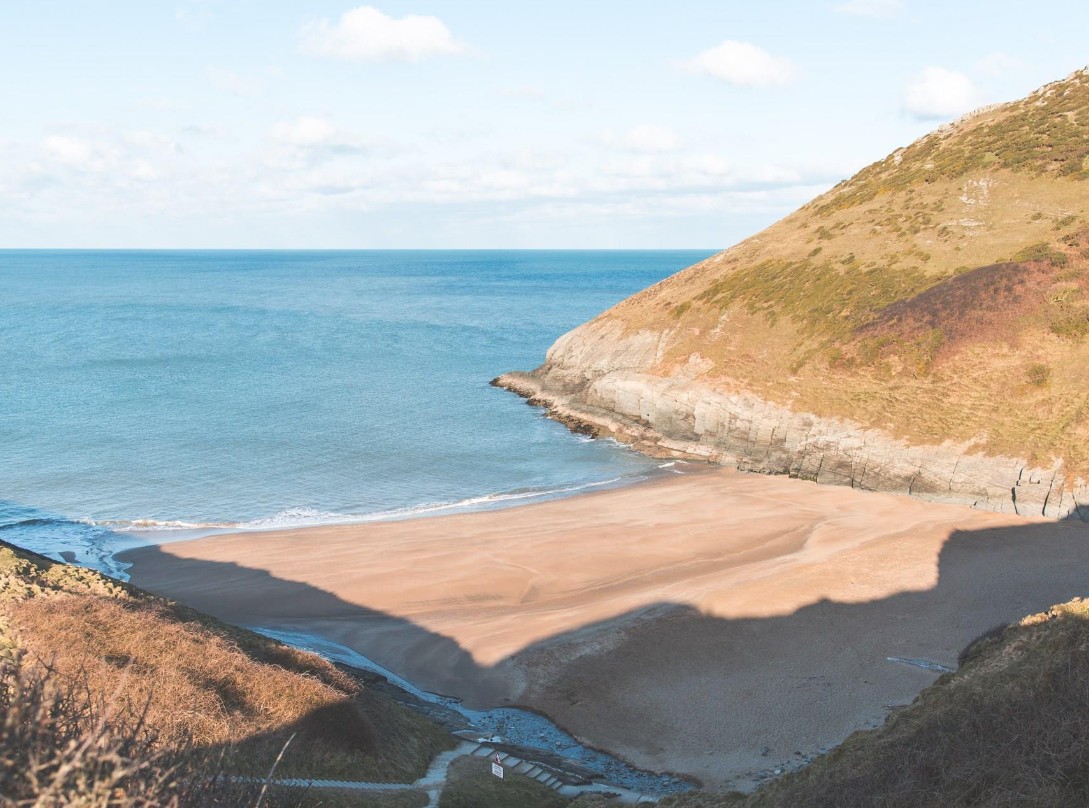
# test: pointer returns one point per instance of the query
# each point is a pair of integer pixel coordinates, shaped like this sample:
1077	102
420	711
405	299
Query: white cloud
72	151
308	141
150	141
365	34
117	154
315	165
643	138
742	64
937	93
869	8
305	131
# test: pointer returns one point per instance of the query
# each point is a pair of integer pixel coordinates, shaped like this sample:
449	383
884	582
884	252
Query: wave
95	542
309	517
119	525
489	499
123	525
303	517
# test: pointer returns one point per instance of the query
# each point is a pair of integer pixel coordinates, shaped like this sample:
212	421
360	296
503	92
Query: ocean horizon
150	395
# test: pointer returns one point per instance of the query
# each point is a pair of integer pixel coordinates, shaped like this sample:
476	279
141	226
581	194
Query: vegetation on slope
130	693
938	294
1044	134
1009	728
472	785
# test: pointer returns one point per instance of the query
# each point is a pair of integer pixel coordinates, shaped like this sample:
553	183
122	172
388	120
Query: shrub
1039	375
1071	325
62	746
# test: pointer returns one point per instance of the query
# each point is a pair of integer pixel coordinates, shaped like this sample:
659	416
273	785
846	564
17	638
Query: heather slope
937	297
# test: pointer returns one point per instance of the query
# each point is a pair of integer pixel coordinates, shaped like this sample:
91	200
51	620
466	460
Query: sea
150	396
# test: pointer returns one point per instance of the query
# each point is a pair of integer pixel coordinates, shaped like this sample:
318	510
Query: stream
507	725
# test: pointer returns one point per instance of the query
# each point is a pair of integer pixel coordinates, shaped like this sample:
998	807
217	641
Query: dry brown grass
188	681
224	696
64	745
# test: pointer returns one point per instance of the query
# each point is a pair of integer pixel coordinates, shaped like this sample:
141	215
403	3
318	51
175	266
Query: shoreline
113	537
679	418
696	623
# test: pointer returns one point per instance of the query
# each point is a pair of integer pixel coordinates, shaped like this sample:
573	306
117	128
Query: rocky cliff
919	329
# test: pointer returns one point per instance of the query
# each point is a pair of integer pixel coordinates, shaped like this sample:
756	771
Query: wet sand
715	624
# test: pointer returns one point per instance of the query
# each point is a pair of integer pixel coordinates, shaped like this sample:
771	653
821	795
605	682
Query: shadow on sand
711	693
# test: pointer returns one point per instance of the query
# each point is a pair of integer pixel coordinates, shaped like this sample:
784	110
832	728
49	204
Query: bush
1071	325
1039	375
59	746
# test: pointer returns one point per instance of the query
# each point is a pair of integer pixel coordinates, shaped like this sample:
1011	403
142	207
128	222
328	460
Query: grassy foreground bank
112	696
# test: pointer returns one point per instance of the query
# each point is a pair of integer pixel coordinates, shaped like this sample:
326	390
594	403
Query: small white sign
497	770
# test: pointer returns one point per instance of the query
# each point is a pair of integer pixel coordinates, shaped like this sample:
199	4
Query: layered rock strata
680	418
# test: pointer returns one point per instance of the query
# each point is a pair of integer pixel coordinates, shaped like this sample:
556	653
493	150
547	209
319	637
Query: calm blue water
169	389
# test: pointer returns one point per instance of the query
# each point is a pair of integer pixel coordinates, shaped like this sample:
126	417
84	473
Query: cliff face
918	329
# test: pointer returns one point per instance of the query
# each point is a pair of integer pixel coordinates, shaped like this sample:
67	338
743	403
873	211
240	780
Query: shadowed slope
1009	728
193	682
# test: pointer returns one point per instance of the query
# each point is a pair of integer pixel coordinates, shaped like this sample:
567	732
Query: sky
444	124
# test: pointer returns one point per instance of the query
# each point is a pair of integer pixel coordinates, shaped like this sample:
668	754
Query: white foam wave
296	517
310	517
303	517
125	525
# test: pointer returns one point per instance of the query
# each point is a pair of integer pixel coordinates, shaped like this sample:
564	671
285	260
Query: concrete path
435	778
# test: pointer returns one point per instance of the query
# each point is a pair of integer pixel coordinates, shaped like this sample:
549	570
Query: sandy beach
714	623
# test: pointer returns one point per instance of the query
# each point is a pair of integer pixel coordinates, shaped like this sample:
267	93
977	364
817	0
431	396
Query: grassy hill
941	294
112	696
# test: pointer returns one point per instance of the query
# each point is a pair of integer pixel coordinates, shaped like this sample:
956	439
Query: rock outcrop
675	418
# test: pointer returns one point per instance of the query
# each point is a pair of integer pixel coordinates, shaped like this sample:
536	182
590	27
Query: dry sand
715	624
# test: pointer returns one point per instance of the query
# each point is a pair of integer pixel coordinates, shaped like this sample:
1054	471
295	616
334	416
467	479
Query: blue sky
479	123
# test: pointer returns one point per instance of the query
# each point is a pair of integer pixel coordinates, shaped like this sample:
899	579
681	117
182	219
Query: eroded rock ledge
676	418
